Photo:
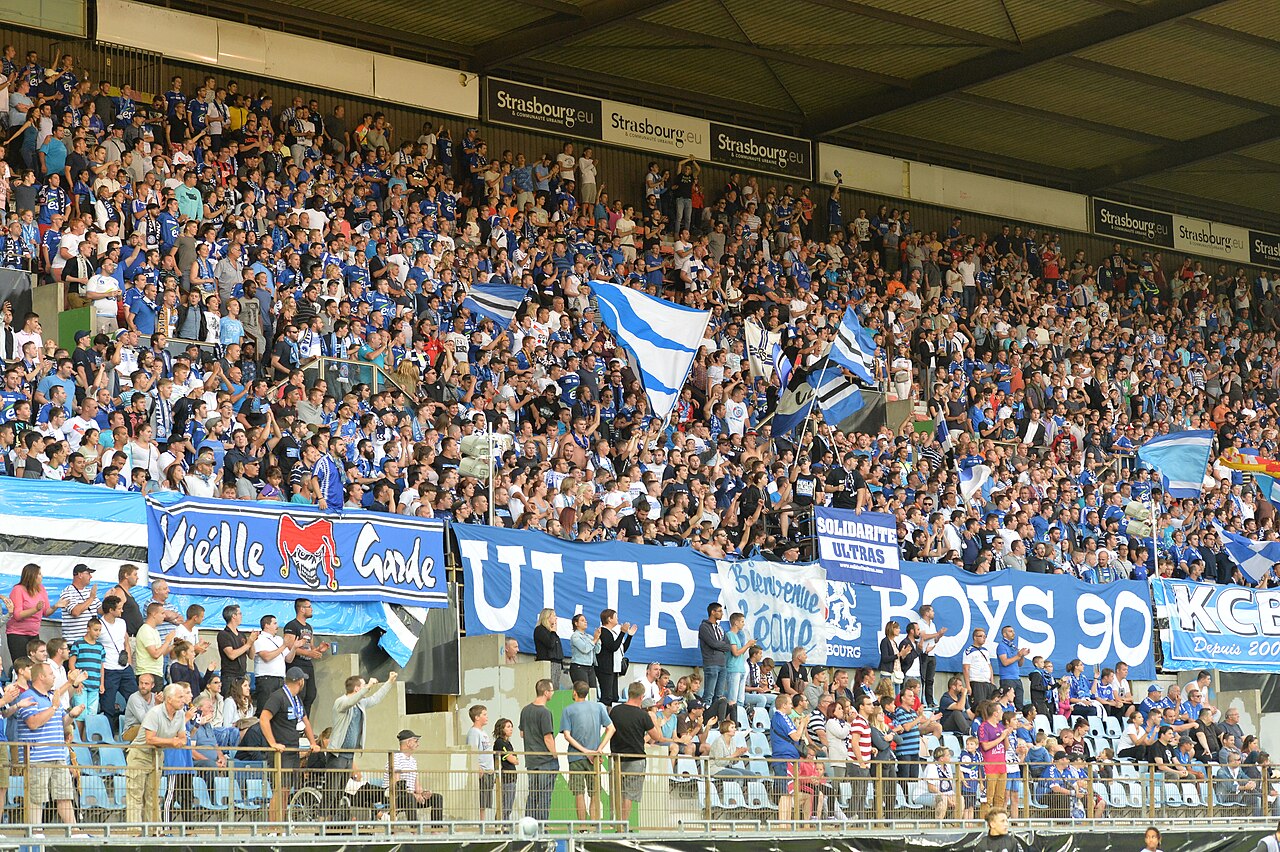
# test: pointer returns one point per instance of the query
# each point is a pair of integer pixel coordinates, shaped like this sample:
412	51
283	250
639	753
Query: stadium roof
1171	102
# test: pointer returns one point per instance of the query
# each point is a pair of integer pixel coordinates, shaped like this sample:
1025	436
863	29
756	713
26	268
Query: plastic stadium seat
1136	795
739	739
1041	723
1096	727
1127	770
759	719
716	804
758	796
1113	727
1119	798
901	801
757	745
205	802
952	742
13	796
94	793
732	797
98	728
1059	724
84	758
686	768
760	767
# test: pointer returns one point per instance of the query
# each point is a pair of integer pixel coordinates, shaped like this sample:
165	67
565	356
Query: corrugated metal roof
981	16
1234	187
1109	100
1032	18
1257	17
1009	134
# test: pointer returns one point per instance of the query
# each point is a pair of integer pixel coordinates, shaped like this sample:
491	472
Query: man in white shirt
104	291
189	629
977	669
649	679
270	657
76	426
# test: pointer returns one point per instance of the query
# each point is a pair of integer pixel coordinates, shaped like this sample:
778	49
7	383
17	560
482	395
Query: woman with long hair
547	645
238	706
28	603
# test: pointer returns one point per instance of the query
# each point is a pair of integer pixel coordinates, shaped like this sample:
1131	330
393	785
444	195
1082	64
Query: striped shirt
908	738
816	727
860	729
89	657
75	626
47	741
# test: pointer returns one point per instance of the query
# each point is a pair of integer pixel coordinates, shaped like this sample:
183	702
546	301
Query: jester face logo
309	549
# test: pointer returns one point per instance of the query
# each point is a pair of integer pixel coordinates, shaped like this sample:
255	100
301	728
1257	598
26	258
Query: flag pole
1155	529
804	427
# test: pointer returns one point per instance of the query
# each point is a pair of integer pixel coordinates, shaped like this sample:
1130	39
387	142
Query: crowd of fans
265	238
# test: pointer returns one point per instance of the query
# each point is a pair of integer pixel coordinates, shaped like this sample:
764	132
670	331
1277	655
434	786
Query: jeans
736	772
714	683
759	699
121	682
684	214
929	668
736	690
538	802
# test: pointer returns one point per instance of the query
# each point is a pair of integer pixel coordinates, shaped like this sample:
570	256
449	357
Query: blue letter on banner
1230	628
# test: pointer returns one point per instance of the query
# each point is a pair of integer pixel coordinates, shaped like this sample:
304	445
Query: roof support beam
520	43
558	7
746	48
1064	42
1171	85
1060	118
1181	153
1231	34
961	35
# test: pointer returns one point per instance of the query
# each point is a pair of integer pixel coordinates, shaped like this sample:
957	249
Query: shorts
486	790
290	774
632	779
1014	783
784	777
584	779
89	699
48	780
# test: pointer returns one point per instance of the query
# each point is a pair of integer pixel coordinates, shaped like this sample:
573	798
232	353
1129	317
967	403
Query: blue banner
512	575
1056	616
281	551
1229	628
858	548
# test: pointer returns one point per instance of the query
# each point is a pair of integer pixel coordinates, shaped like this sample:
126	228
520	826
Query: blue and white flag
943	434
661	337
1255	558
972	480
795	403
498	302
1181	458
855	349
838	395
1269	487
781	366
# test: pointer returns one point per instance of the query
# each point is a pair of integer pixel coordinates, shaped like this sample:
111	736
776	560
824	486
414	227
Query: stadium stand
282	309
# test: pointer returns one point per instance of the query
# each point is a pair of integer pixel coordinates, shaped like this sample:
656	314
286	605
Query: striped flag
855	349
838	396
760	345
1181	458
1255	558
661	337
943	434
794	404
781	366
1269	487
498	302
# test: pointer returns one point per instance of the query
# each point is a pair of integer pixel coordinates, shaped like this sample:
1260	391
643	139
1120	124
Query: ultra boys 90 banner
511	575
1232	628
282	551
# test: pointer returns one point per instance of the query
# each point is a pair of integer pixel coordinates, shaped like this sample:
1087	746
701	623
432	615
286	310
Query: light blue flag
662	339
838	395
498	302
855	349
1255	558
1269	487
1181	458
781	366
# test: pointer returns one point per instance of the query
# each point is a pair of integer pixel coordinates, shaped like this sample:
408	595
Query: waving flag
1255	558
498	302
781	365
855	349
1181	458
1248	461
1269	487
662	339
838	396
795	403
760	345
972	479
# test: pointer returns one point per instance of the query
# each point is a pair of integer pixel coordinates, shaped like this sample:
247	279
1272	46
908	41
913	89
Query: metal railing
117	788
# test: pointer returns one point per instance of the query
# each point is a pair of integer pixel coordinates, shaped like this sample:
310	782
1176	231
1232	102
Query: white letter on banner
476	553
1269	613
612	573
1092	603
658	576
1032	597
1227	601
548	565
1133	653
1190	607
1003	596
949	587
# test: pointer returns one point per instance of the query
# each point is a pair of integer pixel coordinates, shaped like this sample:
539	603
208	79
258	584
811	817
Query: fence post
1151	798
1088	794
153	811
391	786
878	791
1208	783
705	781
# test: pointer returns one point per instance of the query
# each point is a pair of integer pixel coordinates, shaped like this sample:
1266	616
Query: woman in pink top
993	737
29	604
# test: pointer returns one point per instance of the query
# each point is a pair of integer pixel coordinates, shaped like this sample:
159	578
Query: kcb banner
858	548
1231	628
282	551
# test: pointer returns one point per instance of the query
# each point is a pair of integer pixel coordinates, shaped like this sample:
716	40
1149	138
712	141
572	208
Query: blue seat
98	728
84	759
94	793
205	802
732	797
758	796
13	796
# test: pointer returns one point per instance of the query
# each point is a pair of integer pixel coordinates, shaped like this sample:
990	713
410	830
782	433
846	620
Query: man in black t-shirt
300	640
234	649
283	721
632	724
793	675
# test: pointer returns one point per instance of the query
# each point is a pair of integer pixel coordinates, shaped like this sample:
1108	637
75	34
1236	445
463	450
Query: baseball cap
1152	689
81	335
406	734
647	704
295	674
81	569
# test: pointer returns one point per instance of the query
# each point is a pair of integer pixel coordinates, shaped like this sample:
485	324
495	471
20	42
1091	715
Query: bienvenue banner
858	548
282	551
1231	628
1054	615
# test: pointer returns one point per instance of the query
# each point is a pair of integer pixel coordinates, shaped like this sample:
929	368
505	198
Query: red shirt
858	725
